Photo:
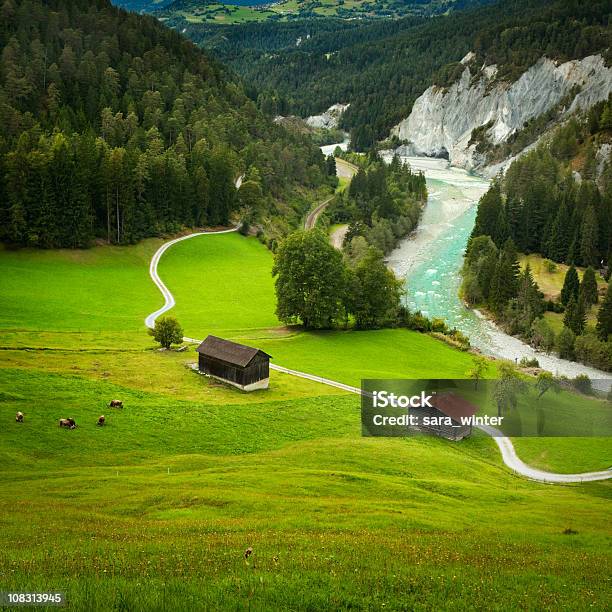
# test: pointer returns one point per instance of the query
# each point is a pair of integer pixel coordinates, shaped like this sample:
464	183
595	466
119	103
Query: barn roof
230	352
453	406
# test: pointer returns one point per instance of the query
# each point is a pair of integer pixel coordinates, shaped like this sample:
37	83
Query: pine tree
605	122
558	242
604	316
588	287
589	237
358	184
490	214
571	286
575	316
330	165
504	285
529	299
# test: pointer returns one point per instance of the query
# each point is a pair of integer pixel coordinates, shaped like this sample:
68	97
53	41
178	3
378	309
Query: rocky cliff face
443	119
329	119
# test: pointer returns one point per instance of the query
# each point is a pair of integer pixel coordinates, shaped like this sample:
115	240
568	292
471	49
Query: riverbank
430	260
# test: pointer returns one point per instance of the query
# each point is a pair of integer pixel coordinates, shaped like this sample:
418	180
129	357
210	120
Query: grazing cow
101	420
19	417
248	552
116	404
68	423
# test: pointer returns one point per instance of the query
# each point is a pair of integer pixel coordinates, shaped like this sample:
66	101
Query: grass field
77	290
239	13
222	284
551	282
155	510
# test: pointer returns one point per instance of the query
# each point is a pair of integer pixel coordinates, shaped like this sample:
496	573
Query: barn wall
258	370
220	369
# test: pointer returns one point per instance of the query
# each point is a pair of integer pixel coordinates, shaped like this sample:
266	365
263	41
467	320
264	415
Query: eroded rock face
443	119
329	119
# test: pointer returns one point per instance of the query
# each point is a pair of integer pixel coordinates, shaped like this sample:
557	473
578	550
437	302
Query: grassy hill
156	509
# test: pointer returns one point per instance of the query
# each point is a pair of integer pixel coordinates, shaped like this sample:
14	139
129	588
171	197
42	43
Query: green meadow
156	509
99	289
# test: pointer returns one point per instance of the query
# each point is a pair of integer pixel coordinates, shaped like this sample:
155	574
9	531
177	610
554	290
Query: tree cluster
492	277
382	204
316	287
543	208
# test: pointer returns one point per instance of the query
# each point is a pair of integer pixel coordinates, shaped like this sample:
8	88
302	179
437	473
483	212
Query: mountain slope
116	127
479	120
382	68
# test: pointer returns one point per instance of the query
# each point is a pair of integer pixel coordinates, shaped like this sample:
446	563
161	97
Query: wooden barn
446	405
242	366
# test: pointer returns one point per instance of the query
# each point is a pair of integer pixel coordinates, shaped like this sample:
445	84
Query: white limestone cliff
442	119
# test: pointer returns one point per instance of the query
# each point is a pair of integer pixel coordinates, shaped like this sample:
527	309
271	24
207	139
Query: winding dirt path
344	169
509	456
311	219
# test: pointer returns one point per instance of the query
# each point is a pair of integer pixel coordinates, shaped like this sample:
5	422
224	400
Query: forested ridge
555	201
115	127
545	208
383	67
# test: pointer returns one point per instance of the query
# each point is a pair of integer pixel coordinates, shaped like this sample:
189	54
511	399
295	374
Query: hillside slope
114	127
465	121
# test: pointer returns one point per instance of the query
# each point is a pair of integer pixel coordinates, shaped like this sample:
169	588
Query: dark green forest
544	208
114	127
555	201
381	68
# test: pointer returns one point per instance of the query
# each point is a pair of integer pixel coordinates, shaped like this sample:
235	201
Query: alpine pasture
155	509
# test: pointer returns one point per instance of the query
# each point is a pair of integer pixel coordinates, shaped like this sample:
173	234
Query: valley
213	470
162	179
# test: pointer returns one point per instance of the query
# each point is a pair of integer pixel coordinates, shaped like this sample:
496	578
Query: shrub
542	335
525	362
583	384
419	322
565	343
167	331
550	266
590	349
439	326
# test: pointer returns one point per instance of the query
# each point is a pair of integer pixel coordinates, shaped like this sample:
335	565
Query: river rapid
430	260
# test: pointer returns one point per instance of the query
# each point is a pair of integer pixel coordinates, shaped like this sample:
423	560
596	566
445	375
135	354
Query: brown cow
116	404
101	420
68	423
19	417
